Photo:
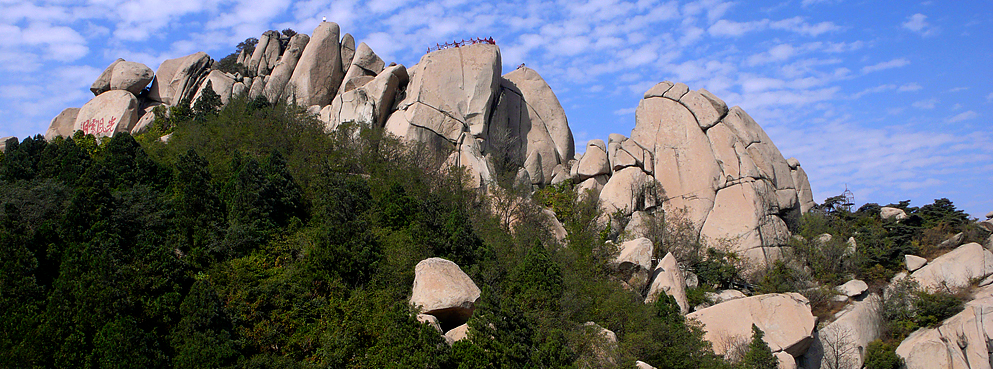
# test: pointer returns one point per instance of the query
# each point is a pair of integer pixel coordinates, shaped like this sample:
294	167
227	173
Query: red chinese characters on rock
96	126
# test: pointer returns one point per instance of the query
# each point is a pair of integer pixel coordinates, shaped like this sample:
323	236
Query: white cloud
957	89
776	53
925	104
874	90
797	24
726	28
624	111
918	23
913	86
895	63
989	97
962	116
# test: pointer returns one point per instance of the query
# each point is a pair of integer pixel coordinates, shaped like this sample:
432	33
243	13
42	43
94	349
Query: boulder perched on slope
130	76
784	317
102	84
62	124
442	289
634	263
180	78
668	279
961	341
956	269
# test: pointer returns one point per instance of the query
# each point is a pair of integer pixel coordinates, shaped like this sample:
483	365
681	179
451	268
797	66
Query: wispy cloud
925	104
962	116
918	23
895	63
913	86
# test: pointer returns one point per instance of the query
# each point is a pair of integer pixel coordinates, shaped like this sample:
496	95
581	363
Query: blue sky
886	97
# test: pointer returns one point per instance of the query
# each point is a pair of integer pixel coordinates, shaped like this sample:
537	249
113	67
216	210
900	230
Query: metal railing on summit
461	43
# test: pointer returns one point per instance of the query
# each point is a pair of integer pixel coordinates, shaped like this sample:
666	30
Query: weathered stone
130	76
528	119
658	90
824	238
366	59
634	262
887	212
270	54
594	161
238	89
102	84
430	320
560	174
258	88
625	191
535	169
707	112
458	333
62	124
147	118
961	341
785	319
676	92
724	296
279	85
604	351
842	343
592	185
450	92
914	262
443	290
953	241
259	53
5	140
642	365
852	288
956	269
684	162
318	74
554	225
786	361
668	279
639	225
110	112
180	78
221	83
347	51
370	104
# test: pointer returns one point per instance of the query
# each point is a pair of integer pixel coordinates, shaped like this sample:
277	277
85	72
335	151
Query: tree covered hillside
254	239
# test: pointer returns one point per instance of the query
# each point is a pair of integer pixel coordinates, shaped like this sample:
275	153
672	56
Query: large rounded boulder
111	112
785	318
443	290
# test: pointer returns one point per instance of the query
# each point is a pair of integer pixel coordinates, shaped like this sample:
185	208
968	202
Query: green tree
758	356
881	355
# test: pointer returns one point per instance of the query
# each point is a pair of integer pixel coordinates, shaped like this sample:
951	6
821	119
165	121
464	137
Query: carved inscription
97	126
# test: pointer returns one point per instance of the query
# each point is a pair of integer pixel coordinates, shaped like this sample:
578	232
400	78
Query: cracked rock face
785	318
180	78
717	166
961	341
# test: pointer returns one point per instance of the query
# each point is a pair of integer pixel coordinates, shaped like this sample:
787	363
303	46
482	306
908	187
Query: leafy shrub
880	355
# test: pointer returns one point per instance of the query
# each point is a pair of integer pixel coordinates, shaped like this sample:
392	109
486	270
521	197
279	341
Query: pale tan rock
594	161
625	191
544	109
450	92
634	262
887	212
278	85
130	76
347	51
658	90
956	269
592	185
845	340
62	124
676	92
110	112
668	279
560	174
960	342
102	84
366	59
222	84
605	348
786	361
914	262
533	164
684	162
704	109
953	241
270	54
145	122
430	320
724	295
458	333
642	365
318	74
258	87
785	319
852	288
443	290
639	225
554	225
238	89
259	53
179	78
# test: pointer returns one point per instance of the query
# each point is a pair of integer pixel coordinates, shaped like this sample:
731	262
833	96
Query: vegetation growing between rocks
254	239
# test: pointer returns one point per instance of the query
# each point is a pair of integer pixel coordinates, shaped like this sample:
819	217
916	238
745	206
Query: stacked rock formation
445	295
691	154
688	152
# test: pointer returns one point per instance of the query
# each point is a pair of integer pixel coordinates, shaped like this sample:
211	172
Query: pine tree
759	356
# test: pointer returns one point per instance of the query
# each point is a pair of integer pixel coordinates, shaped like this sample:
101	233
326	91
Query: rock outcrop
443	290
956	269
110	112
785	319
634	262
318	73
892	213
668	279
961	341
843	342
102	84
62	124
276	86
130	76
180	78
